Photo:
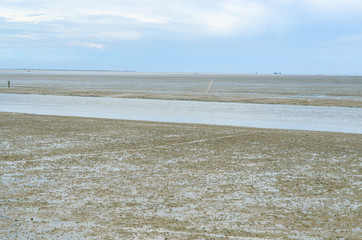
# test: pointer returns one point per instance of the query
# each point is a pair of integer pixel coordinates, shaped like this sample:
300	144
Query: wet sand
340	91
83	178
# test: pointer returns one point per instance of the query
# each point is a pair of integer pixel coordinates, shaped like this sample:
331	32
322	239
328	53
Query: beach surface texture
69	177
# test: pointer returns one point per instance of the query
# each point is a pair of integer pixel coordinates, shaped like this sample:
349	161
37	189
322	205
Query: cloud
334	6
86	45
228	17
101	22
118	36
215	17
135	16
14	14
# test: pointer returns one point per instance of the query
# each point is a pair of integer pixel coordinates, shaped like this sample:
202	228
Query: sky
206	36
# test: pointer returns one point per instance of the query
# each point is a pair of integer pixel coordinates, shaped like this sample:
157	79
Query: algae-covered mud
342	91
83	178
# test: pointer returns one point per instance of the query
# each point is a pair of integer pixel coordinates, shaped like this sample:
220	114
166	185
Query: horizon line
278	73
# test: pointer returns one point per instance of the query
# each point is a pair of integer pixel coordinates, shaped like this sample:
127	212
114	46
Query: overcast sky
215	36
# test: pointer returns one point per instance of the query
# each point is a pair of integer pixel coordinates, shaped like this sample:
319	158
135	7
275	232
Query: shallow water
314	118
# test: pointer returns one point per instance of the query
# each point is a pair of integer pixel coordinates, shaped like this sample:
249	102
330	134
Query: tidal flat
86	178
311	90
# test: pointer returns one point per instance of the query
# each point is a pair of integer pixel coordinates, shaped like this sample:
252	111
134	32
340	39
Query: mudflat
83	178
314	90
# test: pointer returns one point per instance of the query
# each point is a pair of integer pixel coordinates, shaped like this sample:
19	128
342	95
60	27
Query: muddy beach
92	178
84	178
311	90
